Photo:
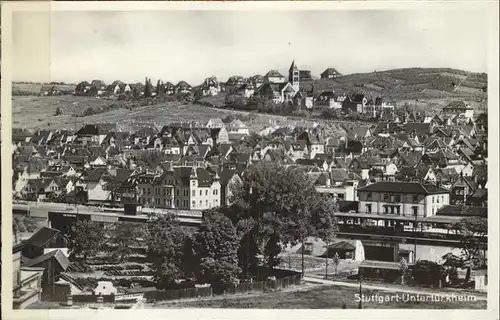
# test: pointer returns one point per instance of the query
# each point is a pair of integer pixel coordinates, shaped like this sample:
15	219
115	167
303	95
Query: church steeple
294	76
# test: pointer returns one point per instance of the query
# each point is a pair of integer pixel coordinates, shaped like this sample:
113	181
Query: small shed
380	270
54	263
347	249
43	239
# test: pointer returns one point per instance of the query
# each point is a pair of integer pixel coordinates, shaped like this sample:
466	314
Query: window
194	204
369	196
415	198
206	192
193	193
437	199
386	209
415	211
432	199
177	202
206	203
186	203
177	192
201	193
368	208
397	198
149	191
386	197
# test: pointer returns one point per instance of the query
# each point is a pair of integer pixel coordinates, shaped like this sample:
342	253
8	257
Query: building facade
402	199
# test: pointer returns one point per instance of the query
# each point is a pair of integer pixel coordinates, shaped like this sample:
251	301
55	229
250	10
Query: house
402	198
27	281
215	123
233	83
331	99
93	134
167	145
237	126
330	73
314	142
274	77
256	81
211	86
183	87
247	90
43	239
462	189
338	185
229	179
95	184
181	187
54	263
459	108
379	108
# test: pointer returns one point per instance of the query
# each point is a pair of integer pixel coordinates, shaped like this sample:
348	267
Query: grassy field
34	88
39	113
322	297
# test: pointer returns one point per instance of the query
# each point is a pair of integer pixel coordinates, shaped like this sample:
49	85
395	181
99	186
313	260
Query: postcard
249	160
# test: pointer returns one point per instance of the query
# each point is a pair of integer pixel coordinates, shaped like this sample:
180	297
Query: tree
403	269
336	260
86	238
165	242
471	230
283	204
147	88
253	140
159	88
216	247
125	236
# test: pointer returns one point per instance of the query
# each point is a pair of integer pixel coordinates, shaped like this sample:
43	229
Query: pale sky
192	45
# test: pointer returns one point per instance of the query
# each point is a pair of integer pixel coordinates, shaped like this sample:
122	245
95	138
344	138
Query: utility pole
415	234
248	233
360	305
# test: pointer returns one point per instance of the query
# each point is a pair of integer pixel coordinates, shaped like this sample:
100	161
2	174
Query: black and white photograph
251	158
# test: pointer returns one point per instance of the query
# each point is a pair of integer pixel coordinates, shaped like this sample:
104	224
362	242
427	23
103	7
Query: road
479	297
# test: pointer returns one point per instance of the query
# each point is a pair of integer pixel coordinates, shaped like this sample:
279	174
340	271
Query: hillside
424	89
417	86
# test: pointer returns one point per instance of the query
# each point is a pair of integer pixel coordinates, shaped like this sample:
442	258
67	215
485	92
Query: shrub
88	112
58	111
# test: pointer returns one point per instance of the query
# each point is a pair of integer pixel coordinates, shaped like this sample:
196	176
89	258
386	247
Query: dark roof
331	71
57	254
342	246
465	211
418	128
95	129
346	206
42	236
404	187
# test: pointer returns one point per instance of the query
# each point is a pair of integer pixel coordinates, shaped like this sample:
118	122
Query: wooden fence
187	293
275	285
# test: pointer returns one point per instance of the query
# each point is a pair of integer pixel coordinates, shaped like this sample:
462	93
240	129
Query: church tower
294	76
